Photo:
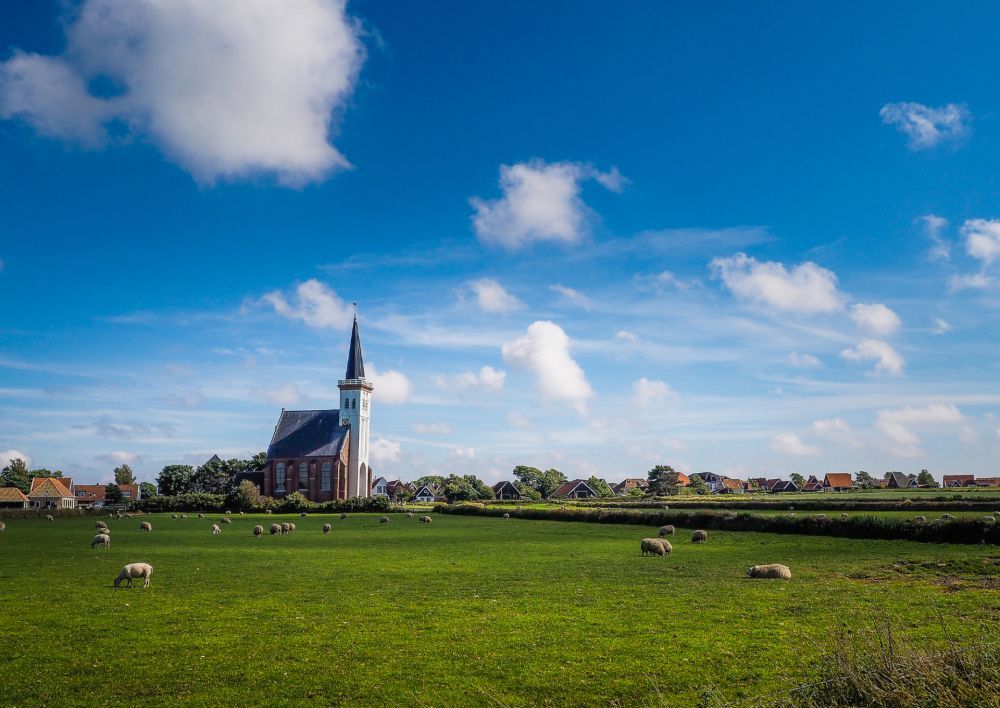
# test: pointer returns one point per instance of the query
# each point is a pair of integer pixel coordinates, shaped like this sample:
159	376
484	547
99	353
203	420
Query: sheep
201	516
285	527
845	515
101	539
772	570
920	519
996	514
268	511
216	529
3	527
327	528
226	512
409	515
946	517
135	570
275	529
425	519
667	530
383	519
699	536
655	546
506	516
225	520
241	513
184	516
145	526
100	525
48	517
173	516
258	530
291	527
343	516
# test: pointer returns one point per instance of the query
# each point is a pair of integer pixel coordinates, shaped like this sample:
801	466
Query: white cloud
885	357
940	326
791	444
544	350
973	281
663	279
896	425
488	379
519	421
803	361
465	453
392	387
626	336
646	392
982	239
7	455
836	429
227	88
383	450
431	428
286	395
927	127
875	319
933	226
492	297
572	296
315	304
120	457
541	202
806	288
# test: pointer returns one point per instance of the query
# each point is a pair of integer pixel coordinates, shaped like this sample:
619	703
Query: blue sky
748	239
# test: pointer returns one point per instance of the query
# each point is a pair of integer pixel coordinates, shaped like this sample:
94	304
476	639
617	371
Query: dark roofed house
309	453
506	491
898	480
781	485
574	489
959	480
838	482
630	483
425	493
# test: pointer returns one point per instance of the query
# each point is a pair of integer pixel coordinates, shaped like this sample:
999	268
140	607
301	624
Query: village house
51	493
780	485
12	498
713	480
958	480
425	494
898	480
94	494
812	484
380	487
627	485
731	486
988	482
506	491
574	489
838	482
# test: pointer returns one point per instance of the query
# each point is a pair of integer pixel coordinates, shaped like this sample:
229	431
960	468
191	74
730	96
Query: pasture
465	610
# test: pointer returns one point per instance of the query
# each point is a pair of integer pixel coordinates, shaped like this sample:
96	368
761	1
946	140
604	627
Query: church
324	454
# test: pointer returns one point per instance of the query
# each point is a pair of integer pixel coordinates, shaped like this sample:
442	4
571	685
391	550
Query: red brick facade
313	489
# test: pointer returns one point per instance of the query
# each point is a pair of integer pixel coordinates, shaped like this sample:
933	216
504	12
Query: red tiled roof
838	479
12	494
48	486
731	483
96	492
963	478
683	480
565	489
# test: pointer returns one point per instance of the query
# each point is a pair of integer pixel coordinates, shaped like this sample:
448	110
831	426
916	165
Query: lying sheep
225	520
425	519
48	517
655	546
506	516
667	530
327	528
135	570
145	526
383	519
216	529
343	516
699	536
258	530
101	539
241	513
268	511
286	527
920	519
772	570
275	529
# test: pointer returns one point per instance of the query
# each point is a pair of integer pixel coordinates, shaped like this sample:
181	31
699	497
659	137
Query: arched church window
325	480
303	475
279	477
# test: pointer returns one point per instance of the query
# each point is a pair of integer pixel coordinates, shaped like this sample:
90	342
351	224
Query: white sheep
409	515
988	519
275	529
258	530
772	570
101	539
173	516
48	517
201	516
3	527
100	525
655	546
285	527
845	515
506	516
135	570
383	519
667	530
216	529
225	520
145	526
241	513
699	536
946	517
425	519
184	516
327	528
920	519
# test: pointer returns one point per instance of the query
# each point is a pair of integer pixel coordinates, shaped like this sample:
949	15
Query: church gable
308	434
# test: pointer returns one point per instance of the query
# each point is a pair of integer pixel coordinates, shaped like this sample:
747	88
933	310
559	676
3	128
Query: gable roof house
713	480
424	494
898	480
958	480
506	491
94	494
781	485
574	489
838	482
628	484
731	486
812	484
380	487
51	493
12	498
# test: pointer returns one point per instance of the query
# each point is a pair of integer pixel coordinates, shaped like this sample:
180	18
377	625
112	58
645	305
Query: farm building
51	493
12	498
838	482
898	480
574	489
506	491
781	485
958	480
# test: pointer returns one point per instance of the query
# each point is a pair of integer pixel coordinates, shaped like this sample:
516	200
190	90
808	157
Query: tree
435	481
147	490
602	488
15	474
216	476
528	476
799	480
636	492
113	494
698	485
124	475
464	488
403	493
551	480
175	479
258	462
527	491
926	479
662	480
246	495
42	472
864	480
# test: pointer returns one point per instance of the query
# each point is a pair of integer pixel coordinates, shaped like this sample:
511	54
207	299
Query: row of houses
61	493
969	480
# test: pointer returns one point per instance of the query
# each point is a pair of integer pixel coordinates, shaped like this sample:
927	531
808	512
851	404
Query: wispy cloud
927	127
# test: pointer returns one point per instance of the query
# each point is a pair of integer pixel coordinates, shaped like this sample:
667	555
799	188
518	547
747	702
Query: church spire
355	363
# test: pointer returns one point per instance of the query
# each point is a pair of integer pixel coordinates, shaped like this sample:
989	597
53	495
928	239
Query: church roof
308	434
355	362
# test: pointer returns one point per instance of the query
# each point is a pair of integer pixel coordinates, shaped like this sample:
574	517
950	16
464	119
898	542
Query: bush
195	501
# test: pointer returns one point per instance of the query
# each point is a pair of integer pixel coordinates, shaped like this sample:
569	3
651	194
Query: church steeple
355	362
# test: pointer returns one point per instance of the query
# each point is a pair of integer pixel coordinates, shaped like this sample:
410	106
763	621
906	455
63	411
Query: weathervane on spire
355	310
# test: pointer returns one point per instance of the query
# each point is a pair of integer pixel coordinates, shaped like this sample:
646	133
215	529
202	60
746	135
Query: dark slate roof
355	362
308	434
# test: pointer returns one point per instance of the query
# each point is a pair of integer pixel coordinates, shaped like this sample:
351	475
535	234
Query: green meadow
463	611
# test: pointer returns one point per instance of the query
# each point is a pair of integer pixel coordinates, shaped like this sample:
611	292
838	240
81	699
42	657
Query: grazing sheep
184	516
327	528
100	525
655	546
216	529
3	527
383	519
506	516
425	519
226	512
275	528
225	520
699	536
101	539
48	517
667	530
772	570
291	527
303	515
173	516
996	513
845	516
145	526
920	519
285	527
258	530
946	517
135	570
343	516
241	513
409	515
201	516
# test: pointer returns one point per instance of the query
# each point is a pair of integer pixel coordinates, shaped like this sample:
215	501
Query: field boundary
734	503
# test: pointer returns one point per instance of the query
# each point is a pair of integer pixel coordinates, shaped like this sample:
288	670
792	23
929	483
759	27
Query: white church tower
356	411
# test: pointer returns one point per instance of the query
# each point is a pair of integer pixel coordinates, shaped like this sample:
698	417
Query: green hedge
57	513
953	531
823	502
217	503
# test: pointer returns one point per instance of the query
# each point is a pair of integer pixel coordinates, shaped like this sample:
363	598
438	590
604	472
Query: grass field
466	610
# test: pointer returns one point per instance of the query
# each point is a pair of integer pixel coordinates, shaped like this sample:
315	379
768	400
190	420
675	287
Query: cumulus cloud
541	202
791	444
383	450
927	127
392	387
836	429
875	319
934	226
646	392
492	297
805	288
896	425
313	303
544	351
803	361
431	428
7	455
487	379
885	357
574	297
227	89
982	239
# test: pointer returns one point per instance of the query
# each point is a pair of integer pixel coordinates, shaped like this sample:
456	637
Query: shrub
195	501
